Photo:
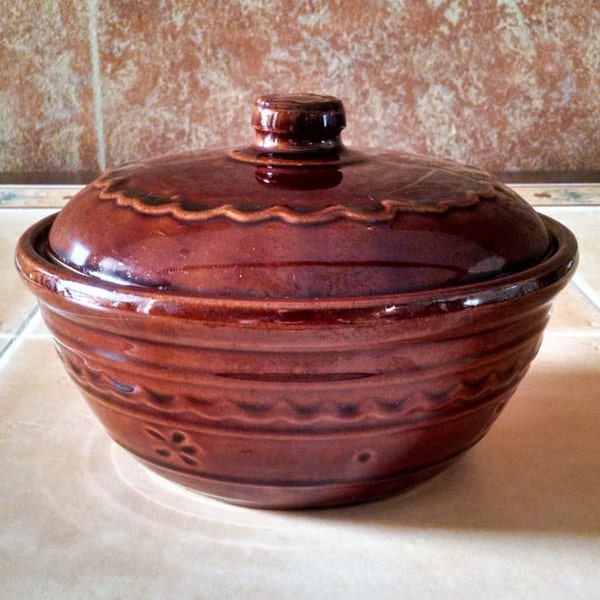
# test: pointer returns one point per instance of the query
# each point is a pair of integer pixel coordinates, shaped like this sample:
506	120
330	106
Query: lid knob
298	123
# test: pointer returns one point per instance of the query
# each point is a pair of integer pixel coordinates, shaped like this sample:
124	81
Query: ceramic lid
297	215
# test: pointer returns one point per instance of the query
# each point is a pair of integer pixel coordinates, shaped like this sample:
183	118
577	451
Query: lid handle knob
298	123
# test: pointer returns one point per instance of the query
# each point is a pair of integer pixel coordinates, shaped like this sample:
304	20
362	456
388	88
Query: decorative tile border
555	194
36	196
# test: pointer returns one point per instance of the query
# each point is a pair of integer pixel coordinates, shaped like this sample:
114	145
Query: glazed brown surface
297	380
280	404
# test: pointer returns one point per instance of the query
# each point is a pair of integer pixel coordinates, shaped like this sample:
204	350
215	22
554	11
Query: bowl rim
552	273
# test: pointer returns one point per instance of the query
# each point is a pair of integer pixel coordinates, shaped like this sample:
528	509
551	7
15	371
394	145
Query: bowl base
290	497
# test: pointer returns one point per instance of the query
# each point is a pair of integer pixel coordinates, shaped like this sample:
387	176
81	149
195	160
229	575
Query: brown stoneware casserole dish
296	323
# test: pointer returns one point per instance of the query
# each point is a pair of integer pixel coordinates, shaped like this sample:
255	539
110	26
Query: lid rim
42	271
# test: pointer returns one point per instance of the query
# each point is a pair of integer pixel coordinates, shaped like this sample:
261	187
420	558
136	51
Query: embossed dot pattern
364	457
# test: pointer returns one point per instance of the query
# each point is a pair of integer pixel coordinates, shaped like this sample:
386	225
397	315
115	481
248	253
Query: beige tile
16	302
73	503
584	222
36	328
574	313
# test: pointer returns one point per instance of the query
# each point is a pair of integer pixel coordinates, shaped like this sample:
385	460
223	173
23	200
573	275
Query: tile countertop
517	517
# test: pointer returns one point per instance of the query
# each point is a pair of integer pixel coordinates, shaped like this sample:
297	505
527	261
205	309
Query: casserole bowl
296	324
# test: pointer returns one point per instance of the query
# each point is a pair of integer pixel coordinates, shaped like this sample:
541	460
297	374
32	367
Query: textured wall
506	84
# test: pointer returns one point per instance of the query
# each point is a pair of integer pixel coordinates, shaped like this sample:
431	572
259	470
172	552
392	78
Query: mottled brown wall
506	84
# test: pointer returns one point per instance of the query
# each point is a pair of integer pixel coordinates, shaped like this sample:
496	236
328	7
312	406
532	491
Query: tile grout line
96	82
18	333
587	290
